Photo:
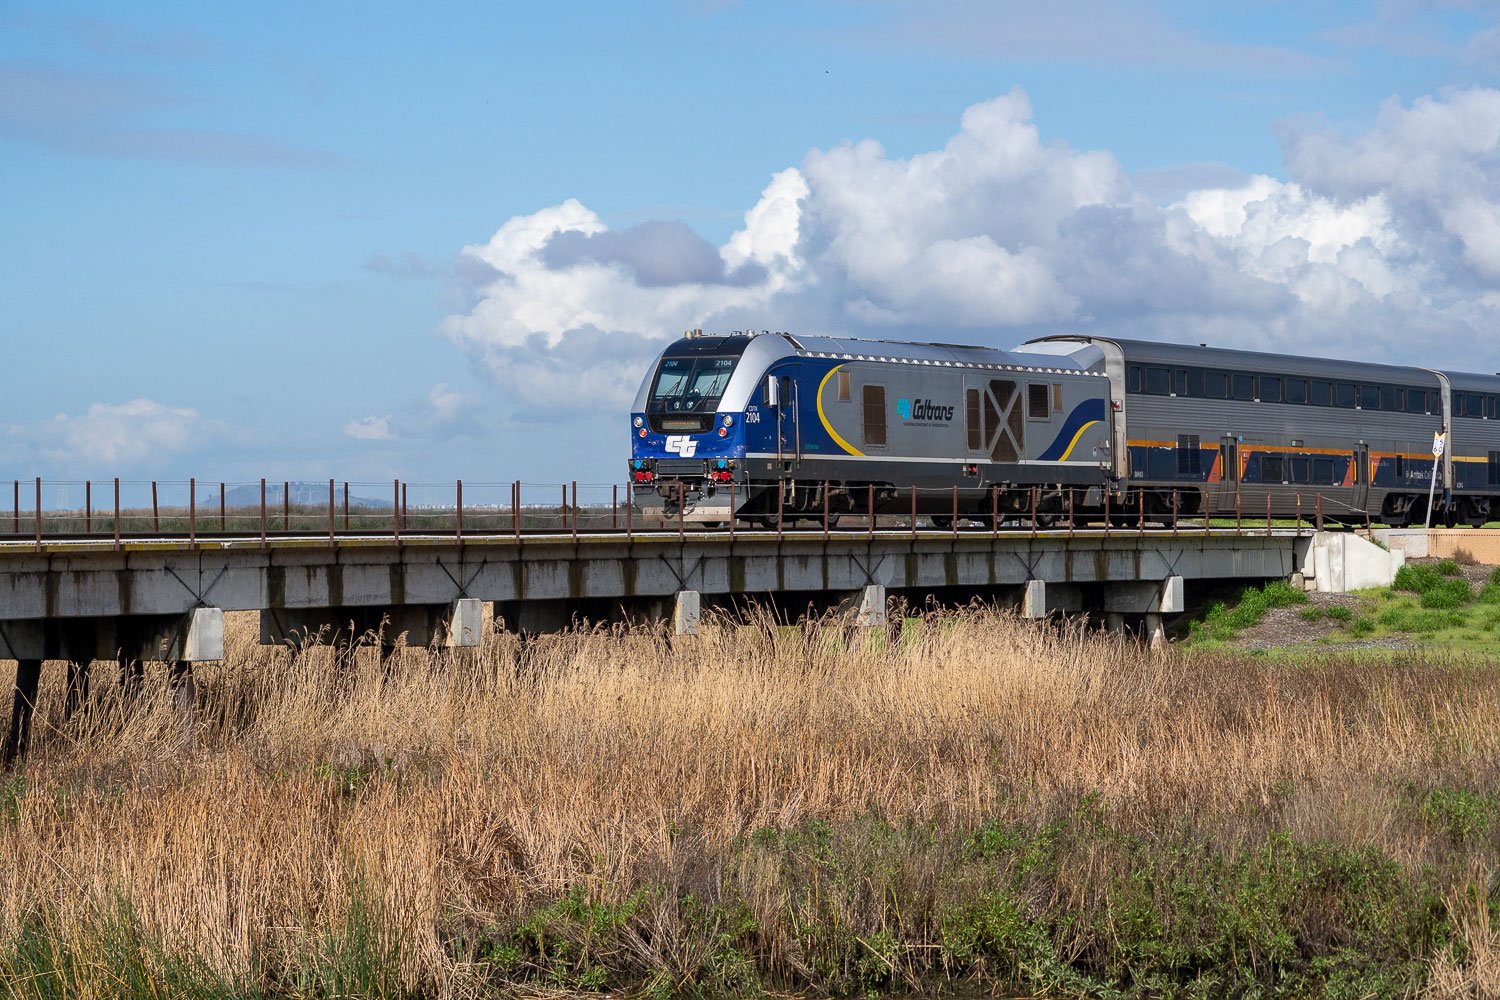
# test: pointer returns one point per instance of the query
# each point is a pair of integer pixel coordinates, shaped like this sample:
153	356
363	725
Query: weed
1448	567
1338	613
1452	592
1464	816
1221	623
1311	614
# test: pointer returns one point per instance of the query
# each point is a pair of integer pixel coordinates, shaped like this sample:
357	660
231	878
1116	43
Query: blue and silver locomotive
761	426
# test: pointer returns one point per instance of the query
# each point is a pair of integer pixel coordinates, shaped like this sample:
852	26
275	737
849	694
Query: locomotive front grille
682	423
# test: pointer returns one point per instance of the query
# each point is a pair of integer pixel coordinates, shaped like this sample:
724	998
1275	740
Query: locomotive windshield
688	385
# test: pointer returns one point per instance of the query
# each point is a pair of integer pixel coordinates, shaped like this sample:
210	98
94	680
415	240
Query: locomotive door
1361	476
788	431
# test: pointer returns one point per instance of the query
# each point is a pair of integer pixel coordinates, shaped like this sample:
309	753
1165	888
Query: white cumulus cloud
1383	245
369	429
117	435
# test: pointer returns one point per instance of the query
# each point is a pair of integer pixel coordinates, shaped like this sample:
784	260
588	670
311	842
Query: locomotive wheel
941	521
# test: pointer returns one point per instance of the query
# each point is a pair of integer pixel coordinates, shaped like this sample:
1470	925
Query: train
775	428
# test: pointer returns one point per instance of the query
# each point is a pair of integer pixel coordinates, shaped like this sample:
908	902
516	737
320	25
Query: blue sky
374	241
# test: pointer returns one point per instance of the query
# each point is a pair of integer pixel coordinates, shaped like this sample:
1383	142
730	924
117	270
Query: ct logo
682	444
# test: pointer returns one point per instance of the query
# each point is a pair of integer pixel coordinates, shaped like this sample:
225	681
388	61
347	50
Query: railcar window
1494	409
1179	382
1321	394
1270	388
1243	385
1192	383
844	394
1343	395
1494	468
1416	400
1133	378
1158	382
1296	390
1215	385
971	414
873	399
1271	469
1369	397
1390	398
1189	457
1057	397
1323	470
1299	469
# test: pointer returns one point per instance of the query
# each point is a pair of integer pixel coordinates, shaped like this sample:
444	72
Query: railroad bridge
163	599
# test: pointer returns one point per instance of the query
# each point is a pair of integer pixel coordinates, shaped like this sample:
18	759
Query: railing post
914	512
1176	501
995	511
346	506
825	511
955	511
562	512
1268	514
1106	512
15	523
681	509
332	513
1237	526
780	505
1140	499
870	508
117	513
614	507
192	511
396	509
458	489
38	512
286	506
88	507
223	511
1071	518
262	513
1299	512
629	510
731	510
515	508
575	510
155	510
1033	512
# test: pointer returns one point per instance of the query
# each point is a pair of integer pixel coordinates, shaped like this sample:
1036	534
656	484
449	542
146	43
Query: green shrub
1416	579
1338	613
1449	593
1461	814
1495	576
1311	614
1359	628
1490	594
1449	567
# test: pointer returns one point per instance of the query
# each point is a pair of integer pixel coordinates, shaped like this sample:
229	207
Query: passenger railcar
774	425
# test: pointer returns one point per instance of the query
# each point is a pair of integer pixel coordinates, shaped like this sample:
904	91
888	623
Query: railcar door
781	398
1229	473
1361	476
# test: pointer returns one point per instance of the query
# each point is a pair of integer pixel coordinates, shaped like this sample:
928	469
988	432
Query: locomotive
769	427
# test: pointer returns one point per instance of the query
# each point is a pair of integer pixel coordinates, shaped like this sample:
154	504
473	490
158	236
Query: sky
430	242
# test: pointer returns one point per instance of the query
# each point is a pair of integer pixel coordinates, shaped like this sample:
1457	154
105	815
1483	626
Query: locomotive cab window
690	384
1039	402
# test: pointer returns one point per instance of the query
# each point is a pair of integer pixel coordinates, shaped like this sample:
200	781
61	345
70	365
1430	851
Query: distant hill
301	494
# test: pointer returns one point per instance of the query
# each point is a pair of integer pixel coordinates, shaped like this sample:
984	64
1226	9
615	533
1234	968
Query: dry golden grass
446	796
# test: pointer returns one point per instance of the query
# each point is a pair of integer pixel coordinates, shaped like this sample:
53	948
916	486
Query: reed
977	800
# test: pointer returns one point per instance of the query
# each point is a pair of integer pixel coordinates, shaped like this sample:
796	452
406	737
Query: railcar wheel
941	521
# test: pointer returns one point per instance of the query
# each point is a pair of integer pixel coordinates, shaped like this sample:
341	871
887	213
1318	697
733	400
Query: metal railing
119	510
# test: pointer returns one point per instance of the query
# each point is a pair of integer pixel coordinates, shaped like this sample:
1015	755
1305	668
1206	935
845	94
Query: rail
201	512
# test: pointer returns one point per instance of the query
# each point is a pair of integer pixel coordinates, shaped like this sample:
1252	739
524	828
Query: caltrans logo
923	411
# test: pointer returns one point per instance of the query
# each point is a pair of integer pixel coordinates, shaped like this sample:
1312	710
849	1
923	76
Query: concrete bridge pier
23	706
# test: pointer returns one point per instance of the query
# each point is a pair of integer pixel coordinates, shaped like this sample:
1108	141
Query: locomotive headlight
639	422
728	420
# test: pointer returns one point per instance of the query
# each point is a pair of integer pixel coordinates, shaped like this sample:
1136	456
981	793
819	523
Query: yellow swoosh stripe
1074	443
824	419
